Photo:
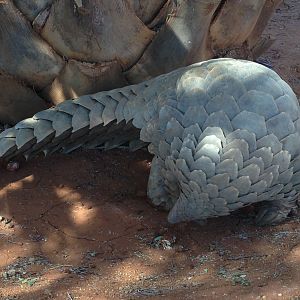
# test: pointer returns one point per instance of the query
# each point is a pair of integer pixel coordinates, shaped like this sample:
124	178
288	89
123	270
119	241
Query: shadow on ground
81	228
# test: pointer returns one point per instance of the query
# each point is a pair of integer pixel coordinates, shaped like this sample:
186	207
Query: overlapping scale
224	134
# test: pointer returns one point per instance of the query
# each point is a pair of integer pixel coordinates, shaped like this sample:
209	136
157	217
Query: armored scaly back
224	134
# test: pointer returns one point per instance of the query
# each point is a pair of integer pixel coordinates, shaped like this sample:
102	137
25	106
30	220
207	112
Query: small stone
279	295
31	260
12	166
180	248
48	292
11	273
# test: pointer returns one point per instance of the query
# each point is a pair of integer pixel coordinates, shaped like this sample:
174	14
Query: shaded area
81	225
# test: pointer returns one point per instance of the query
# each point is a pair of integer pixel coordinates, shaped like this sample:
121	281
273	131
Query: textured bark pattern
225	134
66	48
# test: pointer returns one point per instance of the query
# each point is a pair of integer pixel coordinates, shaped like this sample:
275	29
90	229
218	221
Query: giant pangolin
224	134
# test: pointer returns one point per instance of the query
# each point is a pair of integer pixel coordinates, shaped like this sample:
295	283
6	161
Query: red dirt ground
80	226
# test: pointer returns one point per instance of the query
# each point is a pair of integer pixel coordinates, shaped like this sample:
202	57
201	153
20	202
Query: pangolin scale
224	134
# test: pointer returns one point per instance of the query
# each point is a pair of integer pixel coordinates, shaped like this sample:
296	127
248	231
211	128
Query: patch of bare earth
80	226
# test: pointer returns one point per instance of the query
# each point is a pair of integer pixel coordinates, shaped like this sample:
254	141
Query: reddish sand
80	226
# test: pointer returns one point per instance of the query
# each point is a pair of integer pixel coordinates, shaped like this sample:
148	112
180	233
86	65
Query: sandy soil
80	226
